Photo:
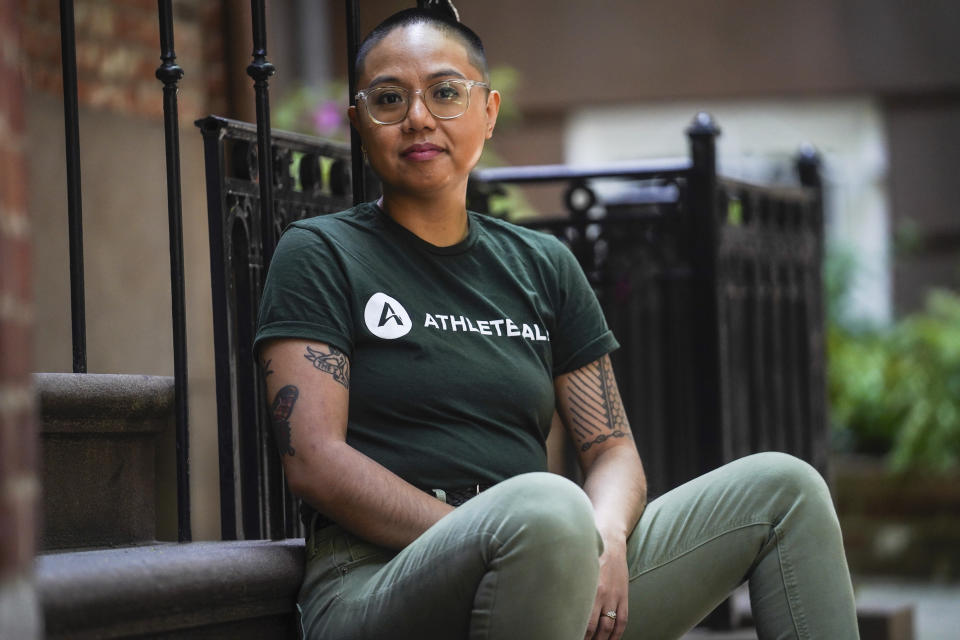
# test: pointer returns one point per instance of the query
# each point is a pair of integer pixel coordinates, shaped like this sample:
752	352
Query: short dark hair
443	22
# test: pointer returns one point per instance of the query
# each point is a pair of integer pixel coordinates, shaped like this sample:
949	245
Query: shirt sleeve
581	335
306	293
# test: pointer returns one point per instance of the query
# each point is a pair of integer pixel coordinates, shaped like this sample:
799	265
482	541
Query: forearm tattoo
280	412
593	405
334	363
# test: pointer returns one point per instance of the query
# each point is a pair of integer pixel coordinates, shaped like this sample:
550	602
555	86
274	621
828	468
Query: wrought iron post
272	485
169	73
261	70
809	166
71	117
356	153
704	229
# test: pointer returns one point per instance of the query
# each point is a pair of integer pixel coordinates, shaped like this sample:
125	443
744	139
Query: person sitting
416	354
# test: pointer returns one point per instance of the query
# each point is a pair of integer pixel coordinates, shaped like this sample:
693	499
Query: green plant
896	391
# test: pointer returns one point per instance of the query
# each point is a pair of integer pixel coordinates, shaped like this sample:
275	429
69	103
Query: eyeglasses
445	100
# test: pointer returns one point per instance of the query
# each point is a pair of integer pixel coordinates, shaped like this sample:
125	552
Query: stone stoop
107	461
237	590
100	436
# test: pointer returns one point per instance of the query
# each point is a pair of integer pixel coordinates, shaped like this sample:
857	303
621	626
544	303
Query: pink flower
327	117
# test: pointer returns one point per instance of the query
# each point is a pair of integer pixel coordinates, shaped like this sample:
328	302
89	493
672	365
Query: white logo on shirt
386	318
502	326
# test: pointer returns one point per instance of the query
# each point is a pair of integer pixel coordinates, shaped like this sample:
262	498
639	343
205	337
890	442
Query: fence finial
808	163
703	124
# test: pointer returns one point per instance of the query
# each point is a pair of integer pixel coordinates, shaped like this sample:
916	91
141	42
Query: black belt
456	497
453	497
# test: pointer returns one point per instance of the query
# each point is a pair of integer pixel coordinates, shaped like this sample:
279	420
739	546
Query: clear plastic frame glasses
446	100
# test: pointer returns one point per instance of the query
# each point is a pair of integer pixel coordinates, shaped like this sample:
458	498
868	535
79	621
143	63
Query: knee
551	507
783	473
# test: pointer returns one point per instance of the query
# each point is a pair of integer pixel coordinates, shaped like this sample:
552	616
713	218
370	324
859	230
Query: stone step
100	437
240	590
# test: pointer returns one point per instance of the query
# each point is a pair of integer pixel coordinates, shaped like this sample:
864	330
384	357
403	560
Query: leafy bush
896	391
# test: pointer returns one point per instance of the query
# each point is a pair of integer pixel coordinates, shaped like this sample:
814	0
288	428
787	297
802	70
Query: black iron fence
713	288
308	177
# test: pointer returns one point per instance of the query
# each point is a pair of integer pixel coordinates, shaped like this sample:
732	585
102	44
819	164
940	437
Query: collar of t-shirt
408	236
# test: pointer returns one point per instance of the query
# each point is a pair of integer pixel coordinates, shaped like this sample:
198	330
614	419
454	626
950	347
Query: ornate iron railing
309	177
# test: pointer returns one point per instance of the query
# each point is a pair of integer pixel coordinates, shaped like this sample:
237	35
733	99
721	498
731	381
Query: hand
612	594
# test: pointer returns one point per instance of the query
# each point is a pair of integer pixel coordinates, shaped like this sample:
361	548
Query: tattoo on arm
280	417
334	363
593	405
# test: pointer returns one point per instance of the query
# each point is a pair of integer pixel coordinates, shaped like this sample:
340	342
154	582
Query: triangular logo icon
388	314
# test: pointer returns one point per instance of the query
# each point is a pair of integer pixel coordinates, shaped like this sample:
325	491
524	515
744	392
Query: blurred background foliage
894	390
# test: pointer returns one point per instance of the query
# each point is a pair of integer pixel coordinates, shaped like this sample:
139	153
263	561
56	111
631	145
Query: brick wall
118	52
18	479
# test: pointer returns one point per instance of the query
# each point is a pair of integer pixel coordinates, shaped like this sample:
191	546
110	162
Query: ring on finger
611	614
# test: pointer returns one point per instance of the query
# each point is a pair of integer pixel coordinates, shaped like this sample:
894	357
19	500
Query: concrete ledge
101	438
107	403
196	590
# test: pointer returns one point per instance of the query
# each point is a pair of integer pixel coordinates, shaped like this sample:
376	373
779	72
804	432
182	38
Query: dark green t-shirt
453	350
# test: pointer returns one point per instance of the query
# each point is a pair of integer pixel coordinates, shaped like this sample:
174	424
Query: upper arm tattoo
280	412
334	363
594	409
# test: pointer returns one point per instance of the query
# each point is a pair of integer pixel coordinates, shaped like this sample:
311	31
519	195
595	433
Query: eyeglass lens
447	99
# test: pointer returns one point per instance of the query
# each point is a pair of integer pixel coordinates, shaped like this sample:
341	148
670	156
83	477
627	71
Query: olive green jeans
521	561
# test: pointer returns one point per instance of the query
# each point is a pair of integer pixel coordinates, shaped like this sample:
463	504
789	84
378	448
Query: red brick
89	57
11	97
94	19
18	442
15	345
119	64
138	27
46	80
13	178
44	11
144	6
147	68
9	421
18	497
112	67
15	268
